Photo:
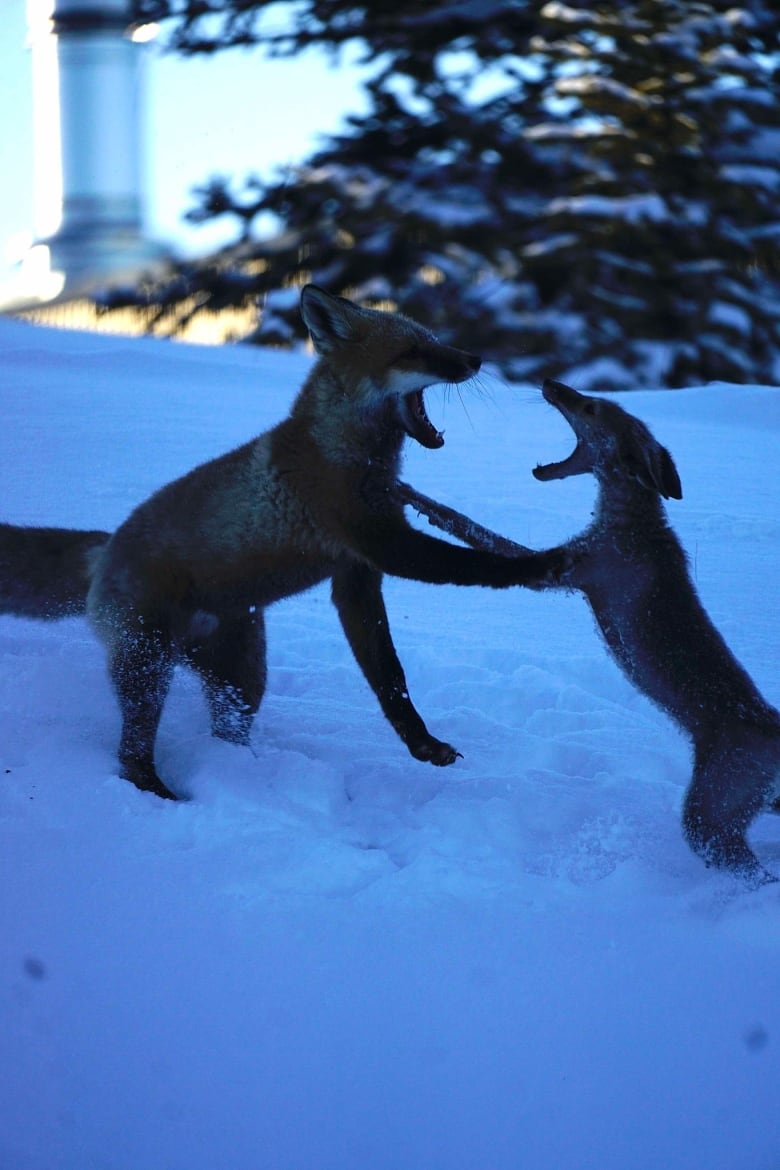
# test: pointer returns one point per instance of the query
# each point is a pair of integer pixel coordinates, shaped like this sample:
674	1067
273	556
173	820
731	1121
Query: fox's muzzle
456	365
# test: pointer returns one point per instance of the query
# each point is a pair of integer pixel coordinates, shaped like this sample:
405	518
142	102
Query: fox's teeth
415	421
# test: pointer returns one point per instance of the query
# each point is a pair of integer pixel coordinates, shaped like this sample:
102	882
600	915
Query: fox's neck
349	421
624	503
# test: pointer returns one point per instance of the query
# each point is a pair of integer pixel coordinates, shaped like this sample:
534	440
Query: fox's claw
434	751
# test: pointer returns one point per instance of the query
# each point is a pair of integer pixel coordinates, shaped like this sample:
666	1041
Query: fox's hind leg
230	659
357	595
141	665
729	786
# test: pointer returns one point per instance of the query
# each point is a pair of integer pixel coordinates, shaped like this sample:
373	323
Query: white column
100	95
98	98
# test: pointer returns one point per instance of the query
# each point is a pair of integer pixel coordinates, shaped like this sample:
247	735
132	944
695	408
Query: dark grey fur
634	573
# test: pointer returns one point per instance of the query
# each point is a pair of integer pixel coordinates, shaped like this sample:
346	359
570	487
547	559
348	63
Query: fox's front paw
560	568
434	751
551	570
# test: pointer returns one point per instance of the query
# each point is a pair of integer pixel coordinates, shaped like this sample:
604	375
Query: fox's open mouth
576	462
566	467
415	421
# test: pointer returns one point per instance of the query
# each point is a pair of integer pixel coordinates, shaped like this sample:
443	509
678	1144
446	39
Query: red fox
187	576
633	571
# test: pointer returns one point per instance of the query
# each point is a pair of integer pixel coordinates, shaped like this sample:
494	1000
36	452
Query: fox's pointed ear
653	467
671	488
331	321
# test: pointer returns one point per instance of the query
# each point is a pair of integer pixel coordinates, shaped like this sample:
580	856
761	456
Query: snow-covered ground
335	957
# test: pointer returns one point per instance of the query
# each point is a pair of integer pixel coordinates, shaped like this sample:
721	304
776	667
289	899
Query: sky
229	114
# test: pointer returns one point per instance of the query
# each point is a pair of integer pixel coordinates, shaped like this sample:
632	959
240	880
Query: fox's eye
411	354
589	408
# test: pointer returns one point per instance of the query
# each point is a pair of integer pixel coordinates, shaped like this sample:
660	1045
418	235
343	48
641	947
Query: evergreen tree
585	189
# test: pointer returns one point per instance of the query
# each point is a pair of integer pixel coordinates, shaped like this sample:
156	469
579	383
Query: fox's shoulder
348	482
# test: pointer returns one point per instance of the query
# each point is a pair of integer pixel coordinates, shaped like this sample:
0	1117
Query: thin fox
188	575
634	573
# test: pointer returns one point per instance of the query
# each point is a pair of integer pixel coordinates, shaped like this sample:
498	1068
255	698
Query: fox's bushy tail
46	572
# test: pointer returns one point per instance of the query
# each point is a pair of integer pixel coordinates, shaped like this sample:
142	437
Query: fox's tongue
416	422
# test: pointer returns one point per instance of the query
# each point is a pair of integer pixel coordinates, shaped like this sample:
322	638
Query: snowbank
335	957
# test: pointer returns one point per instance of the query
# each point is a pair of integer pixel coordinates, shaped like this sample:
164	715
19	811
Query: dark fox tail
46	572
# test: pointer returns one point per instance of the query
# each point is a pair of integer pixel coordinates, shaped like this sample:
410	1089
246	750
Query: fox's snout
453	365
473	361
560	395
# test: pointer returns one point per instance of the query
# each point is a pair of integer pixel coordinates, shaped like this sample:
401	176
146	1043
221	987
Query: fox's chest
625	591
613	573
646	609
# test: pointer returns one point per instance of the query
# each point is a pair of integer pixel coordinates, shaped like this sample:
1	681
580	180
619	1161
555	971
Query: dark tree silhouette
588	189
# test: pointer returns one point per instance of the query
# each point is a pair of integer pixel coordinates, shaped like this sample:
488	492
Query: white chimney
87	109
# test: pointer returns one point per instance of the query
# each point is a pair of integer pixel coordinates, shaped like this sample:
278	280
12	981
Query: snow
334	956
730	317
460	206
591	85
753	176
556	242
631	208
